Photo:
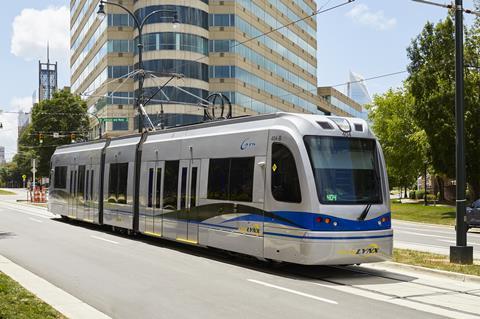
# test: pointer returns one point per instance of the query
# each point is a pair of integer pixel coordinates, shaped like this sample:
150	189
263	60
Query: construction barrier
36	195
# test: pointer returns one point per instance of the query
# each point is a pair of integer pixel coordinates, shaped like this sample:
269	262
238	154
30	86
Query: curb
60	300
390	265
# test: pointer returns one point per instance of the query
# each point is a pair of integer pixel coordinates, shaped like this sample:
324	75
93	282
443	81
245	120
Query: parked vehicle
473	214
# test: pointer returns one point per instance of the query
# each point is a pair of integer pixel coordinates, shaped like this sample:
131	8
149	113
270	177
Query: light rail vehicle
305	189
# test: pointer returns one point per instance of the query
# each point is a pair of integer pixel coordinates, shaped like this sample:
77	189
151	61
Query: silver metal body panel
67	201
244	227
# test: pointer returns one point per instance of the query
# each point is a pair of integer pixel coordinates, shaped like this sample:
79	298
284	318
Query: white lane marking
35	220
454	242
107	240
424	235
294	292
403	228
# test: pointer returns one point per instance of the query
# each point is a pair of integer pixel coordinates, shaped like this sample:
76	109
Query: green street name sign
114	119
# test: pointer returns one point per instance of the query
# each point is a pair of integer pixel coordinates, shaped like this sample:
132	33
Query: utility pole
460	253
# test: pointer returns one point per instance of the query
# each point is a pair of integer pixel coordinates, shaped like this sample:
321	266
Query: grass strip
4	192
444	215
433	261
18	303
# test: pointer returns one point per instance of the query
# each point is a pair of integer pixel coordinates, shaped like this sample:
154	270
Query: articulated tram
306	189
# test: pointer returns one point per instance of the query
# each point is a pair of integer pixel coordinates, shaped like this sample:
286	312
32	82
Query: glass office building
236	47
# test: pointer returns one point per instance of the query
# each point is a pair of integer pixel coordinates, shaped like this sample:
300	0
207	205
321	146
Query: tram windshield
345	169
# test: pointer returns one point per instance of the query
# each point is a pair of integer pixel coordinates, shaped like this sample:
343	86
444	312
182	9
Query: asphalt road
127	277
431	238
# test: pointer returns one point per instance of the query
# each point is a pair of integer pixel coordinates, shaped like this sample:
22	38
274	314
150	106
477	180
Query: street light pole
139	25
461	253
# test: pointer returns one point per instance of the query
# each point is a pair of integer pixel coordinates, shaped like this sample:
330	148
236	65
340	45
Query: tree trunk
474	190
441	188
405	188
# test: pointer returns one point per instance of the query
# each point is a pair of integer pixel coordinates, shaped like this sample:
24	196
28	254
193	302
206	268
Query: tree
10	175
65	114
404	144
431	82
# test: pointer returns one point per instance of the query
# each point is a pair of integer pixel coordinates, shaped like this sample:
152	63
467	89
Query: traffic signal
40	138
72	137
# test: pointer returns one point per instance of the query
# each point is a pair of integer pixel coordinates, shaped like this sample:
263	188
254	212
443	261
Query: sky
368	37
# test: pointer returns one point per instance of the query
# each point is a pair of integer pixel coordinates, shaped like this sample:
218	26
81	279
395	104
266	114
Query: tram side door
153	209
89	206
187	218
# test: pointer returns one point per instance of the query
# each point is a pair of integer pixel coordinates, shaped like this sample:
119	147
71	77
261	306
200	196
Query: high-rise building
23	121
342	105
2	155
218	46
47	78
358	91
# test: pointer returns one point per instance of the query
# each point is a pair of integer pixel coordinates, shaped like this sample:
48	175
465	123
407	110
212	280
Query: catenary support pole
461	253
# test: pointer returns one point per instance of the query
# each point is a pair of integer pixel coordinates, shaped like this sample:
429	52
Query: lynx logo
247	145
251	229
367	251
371	249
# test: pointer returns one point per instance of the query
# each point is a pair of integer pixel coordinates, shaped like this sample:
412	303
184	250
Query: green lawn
18	303
4	192
444	215
434	261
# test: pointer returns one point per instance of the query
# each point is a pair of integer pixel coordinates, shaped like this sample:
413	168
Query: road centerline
293	291
104	239
35	220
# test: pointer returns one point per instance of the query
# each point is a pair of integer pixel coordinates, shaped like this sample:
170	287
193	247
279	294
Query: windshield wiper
365	212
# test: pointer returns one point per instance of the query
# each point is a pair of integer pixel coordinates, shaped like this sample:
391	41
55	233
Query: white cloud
363	15
21	104
32	29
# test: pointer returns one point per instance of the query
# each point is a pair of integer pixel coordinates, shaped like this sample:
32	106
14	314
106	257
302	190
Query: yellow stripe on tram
152	234
187	241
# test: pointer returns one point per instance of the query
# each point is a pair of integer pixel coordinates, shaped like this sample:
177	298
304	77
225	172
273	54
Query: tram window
170	185
241	179
71	182
60	178
231	179
285	182
81	181
150	188
193	188
122	183
183	188
112	183
218	178
91	185
157	190
117	183
87	183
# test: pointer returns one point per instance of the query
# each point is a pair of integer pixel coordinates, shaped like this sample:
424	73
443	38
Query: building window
231	179
60	177
285	182
120	126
